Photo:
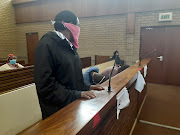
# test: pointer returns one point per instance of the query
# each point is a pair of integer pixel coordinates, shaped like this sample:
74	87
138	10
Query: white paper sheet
139	86
122	100
145	71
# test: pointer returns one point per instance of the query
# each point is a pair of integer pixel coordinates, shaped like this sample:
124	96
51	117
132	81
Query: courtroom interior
89	67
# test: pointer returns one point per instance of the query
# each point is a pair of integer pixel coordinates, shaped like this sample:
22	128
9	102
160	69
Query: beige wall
102	35
22	29
99	35
7	29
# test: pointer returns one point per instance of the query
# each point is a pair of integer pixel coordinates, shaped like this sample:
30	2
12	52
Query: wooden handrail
11	79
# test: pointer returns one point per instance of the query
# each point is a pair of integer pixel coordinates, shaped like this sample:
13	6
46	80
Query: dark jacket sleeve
48	88
86	86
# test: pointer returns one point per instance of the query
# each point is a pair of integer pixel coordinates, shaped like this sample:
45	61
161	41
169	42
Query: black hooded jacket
57	73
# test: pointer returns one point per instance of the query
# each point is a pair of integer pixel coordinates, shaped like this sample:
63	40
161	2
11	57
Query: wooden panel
32	40
3	61
131	23
173	55
21	1
152	5
86	62
29	12
79	117
101	59
44	10
15	78
111	126
28	64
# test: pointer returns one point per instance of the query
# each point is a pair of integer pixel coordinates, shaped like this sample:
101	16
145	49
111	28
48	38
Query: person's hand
96	87
87	94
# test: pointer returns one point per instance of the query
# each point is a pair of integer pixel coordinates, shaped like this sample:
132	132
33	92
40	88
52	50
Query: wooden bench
86	62
28	64
101	59
15	78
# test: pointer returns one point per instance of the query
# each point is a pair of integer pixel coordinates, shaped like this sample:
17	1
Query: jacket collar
60	35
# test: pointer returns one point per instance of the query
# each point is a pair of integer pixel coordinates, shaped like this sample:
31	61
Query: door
165	64
32	41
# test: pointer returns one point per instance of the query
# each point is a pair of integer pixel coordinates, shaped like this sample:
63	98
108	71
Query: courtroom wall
45	10
22	29
7	29
98	36
102	35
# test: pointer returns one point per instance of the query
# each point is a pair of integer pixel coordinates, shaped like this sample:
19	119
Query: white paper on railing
139	86
145	71
122	100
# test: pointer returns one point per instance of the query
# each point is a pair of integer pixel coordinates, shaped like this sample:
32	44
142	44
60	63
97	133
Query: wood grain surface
46	10
15	78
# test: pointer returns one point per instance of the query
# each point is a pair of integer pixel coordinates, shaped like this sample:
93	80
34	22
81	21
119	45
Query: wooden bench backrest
3	61
2	64
86	62
102	66
101	59
28	64
15	78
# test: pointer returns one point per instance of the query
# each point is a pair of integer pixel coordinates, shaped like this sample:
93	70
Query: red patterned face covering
75	31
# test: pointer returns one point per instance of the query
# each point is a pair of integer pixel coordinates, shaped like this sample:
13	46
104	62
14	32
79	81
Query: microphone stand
140	59
109	87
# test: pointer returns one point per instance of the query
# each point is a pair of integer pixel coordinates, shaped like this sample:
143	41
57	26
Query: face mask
13	61
75	31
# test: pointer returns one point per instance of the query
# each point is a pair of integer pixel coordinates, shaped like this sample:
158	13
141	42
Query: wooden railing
15	78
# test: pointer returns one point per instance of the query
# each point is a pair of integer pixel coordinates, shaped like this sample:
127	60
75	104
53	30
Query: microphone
146	56
109	87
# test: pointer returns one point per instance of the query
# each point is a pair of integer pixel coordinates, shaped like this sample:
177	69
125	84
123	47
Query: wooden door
32	41
167	42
